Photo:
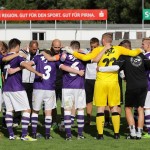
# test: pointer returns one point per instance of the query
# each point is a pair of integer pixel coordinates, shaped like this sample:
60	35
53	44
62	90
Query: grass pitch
59	143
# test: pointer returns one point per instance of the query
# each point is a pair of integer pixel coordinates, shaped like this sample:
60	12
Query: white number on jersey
71	57
6	67
47	69
74	65
43	59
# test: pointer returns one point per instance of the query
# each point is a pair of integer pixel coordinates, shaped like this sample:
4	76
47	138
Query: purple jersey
148	72
48	69
1	59
13	82
70	80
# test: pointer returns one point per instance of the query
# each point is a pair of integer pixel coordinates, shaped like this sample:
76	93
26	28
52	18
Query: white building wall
63	34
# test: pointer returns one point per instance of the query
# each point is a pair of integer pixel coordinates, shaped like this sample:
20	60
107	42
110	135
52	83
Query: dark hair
32	42
45	50
125	43
3	45
13	43
94	40
75	44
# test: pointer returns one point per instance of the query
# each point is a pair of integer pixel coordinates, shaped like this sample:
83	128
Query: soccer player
73	93
14	95
90	76
146	47
44	91
28	76
3	52
56	50
106	88
136	90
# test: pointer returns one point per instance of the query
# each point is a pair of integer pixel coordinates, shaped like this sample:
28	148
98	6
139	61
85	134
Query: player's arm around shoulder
127	52
71	70
10	57
49	57
30	68
101	53
89	56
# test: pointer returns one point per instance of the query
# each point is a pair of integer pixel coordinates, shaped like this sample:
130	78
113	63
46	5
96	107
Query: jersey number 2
107	61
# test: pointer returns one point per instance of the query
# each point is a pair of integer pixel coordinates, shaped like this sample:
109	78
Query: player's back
134	70
48	69
70	80
13	82
108	59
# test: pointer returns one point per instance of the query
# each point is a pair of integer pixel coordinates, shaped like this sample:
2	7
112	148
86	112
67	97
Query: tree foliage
124	11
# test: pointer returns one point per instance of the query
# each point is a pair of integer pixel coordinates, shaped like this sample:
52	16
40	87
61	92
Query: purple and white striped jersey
48	69
13	82
70	80
148	72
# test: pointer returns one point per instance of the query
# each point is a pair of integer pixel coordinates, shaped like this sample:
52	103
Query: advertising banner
65	14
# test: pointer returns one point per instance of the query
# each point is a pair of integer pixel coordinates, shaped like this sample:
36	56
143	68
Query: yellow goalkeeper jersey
107	59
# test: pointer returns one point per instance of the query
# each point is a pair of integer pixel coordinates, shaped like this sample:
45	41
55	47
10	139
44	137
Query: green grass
87	144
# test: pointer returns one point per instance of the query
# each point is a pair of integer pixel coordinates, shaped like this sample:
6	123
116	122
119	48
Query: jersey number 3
47	69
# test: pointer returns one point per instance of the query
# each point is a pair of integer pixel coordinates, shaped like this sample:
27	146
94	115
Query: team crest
136	61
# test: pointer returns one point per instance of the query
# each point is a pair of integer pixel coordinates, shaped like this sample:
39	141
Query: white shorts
147	100
73	97
17	101
46	96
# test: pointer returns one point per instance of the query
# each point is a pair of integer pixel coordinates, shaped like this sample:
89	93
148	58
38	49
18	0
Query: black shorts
58	91
121	90
135	97
89	90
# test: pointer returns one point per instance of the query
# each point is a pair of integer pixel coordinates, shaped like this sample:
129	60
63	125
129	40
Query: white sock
132	130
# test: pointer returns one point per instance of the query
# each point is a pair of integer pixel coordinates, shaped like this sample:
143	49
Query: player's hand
22	55
68	49
40	75
42	52
142	50
81	73
97	69
26	48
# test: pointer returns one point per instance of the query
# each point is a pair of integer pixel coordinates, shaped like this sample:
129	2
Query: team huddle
88	77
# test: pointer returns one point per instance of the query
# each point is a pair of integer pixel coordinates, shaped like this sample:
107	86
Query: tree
125	11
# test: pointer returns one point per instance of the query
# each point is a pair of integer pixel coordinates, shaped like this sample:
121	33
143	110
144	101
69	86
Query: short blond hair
108	37
146	39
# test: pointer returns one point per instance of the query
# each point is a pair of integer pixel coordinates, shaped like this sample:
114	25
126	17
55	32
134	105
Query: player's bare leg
140	122
131	123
